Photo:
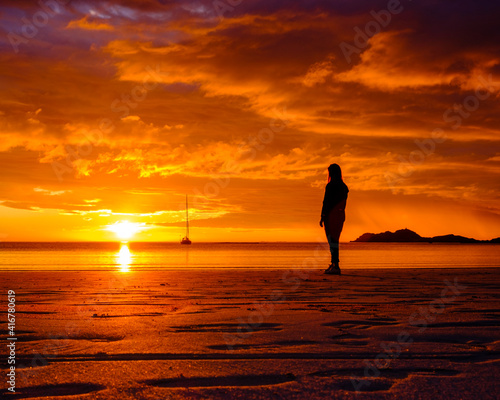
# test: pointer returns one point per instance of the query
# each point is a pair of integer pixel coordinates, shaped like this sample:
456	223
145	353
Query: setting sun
124	229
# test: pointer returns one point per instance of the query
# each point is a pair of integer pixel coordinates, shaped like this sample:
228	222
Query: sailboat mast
187	218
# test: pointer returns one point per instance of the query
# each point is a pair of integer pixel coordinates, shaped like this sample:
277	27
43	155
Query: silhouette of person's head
334	172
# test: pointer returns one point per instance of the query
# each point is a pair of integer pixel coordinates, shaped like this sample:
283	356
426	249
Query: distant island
407	236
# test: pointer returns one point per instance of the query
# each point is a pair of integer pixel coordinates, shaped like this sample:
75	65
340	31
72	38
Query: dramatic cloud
113	110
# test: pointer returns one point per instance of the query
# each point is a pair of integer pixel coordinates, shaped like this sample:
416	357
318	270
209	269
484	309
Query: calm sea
152	256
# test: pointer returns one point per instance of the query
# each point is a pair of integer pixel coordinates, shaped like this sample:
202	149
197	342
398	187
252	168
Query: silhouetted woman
333	214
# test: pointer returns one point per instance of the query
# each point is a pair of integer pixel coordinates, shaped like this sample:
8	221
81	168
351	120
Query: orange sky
114	111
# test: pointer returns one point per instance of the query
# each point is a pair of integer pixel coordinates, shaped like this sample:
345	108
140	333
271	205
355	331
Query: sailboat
185	239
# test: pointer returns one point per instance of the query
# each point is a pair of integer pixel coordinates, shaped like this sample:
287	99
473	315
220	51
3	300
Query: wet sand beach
256	334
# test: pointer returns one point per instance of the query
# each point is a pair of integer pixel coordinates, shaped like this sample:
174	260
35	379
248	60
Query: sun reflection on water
124	258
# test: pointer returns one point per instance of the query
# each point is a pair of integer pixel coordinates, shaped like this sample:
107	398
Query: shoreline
210	269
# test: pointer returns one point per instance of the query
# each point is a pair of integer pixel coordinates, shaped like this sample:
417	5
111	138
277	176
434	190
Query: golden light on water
124	258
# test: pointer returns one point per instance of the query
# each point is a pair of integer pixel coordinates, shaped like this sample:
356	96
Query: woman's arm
326	206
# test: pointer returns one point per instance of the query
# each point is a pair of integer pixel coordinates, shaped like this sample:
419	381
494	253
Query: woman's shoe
333	270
